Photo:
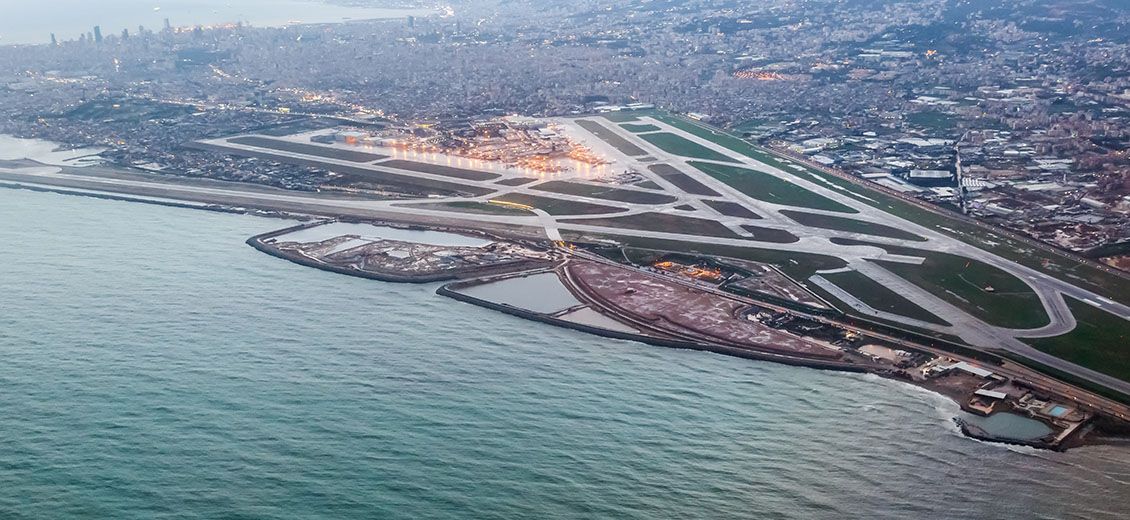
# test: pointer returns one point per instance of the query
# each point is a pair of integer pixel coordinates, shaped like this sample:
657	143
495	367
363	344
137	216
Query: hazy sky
32	21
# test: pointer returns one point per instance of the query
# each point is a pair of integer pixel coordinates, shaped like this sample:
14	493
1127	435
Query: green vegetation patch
639	128
677	145
604	192
1100	341
850	225
1085	275
879	296
932	120
769	188
990	294
558	206
622	116
731	209
661	222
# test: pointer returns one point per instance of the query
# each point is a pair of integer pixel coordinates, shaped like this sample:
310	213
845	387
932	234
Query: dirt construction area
684	312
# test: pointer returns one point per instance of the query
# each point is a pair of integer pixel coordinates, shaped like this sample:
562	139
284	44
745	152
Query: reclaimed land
663	222
1001	242
689	313
1100	341
731	209
769	188
451	291
436	169
604	192
681	180
325	152
359	173
849	225
259	242
880	297
558	206
680	146
612	138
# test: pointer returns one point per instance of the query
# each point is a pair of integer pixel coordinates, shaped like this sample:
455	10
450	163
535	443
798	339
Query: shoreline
256	243
456	281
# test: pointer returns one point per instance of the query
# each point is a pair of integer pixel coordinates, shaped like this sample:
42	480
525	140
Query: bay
154	366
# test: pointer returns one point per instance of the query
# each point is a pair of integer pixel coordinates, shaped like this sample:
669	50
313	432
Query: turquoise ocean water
154	366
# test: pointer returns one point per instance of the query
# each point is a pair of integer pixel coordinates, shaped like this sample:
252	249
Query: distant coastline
30	23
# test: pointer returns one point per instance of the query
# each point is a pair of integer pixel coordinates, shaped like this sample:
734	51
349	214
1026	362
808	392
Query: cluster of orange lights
577	158
537	166
698	273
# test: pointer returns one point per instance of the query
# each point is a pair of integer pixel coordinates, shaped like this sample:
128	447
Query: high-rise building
411	22
54	41
97	34
168	26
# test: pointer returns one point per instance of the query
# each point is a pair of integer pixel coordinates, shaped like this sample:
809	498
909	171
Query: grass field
931	120
472	206
964	282
681	180
798	265
880	297
612	138
516	181
558	206
636	128
680	146
604	192
765	234
436	169
623	116
1100	341
850	225
769	188
662	222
